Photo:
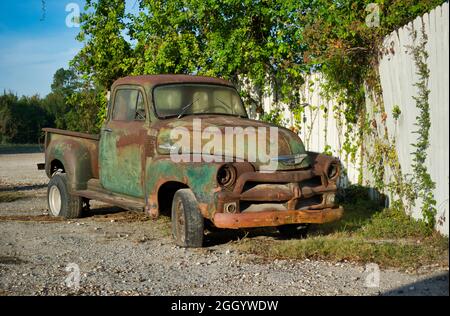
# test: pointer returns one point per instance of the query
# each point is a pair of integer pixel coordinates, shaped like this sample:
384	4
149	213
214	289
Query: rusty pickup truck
142	161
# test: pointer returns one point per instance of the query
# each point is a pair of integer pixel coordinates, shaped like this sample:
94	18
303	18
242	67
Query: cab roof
150	81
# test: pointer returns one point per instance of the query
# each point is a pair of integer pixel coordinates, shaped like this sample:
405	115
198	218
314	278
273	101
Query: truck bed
76	152
71	133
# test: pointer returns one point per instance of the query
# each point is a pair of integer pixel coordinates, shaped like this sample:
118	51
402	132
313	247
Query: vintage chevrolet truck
134	162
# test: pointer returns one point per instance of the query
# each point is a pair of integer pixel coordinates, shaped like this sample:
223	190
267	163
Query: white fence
398	75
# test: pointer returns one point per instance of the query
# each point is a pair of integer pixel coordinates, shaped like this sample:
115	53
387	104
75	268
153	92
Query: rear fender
76	158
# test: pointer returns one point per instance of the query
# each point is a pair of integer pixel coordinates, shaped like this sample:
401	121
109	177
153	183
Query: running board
131	204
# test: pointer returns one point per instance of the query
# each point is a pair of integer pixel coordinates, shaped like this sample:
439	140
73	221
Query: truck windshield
187	99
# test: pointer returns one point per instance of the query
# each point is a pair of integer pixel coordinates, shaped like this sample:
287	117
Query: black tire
294	230
187	221
70	206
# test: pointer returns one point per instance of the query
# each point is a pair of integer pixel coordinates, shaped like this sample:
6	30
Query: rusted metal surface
131	165
122	157
77	156
287	188
268	192
288	142
277	218
150	81
126	203
70	133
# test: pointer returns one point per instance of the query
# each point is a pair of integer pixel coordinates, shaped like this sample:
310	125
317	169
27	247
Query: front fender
199	177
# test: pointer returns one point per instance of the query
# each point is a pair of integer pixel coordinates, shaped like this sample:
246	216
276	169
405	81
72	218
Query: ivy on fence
423	184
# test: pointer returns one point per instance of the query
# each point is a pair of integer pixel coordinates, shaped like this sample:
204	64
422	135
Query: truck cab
184	146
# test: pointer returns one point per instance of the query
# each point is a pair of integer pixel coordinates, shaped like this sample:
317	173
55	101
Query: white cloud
27	64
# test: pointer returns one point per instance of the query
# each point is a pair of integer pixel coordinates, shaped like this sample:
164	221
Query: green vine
396	112
348	53
274	44
423	184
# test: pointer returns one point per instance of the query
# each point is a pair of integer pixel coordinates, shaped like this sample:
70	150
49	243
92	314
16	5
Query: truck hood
265	145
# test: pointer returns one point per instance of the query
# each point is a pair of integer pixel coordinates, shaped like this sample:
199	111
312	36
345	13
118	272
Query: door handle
107	129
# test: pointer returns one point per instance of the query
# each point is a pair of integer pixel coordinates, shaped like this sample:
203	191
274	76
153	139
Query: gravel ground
125	253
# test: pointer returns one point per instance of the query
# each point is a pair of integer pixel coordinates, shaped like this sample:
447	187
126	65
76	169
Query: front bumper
279	198
277	218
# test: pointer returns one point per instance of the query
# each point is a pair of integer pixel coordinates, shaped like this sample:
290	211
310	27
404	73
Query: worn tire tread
193	220
71	205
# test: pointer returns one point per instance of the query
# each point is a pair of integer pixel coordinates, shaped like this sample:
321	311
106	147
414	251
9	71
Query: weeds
366	233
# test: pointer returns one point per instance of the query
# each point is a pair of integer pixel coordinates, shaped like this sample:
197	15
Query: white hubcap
54	200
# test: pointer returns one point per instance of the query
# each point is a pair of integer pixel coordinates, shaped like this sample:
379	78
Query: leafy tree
244	41
106	52
65	83
86	110
21	119
345	49
260	45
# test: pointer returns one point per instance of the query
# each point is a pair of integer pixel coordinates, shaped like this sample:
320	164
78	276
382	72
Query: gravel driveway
125	253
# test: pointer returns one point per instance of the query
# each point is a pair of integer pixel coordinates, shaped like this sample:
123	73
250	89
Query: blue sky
34	42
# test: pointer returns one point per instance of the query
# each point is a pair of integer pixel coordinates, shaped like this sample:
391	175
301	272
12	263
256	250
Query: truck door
121	150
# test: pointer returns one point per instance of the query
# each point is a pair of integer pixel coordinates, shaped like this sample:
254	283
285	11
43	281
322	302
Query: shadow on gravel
30	218
111	213
23	187
11	260
216	237
433	286
103	211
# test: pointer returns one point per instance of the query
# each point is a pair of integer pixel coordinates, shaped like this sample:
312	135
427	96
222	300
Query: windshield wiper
183	110
229	106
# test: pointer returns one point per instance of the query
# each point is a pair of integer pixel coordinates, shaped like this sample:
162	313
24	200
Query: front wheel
187	221
60	201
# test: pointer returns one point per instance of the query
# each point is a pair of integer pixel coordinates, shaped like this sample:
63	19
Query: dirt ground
114	252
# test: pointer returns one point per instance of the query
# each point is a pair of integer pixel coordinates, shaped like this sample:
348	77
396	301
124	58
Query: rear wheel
187	221
294	230
60	201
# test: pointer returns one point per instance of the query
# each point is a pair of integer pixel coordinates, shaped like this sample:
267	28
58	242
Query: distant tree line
71	105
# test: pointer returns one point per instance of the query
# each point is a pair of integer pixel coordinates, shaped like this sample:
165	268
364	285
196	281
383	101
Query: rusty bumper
277	218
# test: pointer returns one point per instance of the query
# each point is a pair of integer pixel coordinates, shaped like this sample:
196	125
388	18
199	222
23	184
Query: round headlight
226	176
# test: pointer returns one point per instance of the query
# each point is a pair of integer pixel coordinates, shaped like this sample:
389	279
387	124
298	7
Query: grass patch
392	223
164	225
10	196
406	255
366	233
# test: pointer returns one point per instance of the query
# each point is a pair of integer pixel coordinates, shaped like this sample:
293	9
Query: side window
128	105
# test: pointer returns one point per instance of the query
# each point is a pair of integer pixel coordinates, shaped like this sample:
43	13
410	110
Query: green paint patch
202	177
121	170
157	169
